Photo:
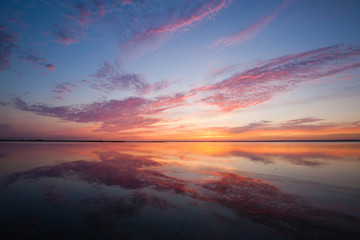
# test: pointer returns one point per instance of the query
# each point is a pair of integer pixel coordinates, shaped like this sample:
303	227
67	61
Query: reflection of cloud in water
258	202
306	159
287	213
114	169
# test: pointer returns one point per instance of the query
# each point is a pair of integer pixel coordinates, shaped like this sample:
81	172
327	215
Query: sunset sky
180	70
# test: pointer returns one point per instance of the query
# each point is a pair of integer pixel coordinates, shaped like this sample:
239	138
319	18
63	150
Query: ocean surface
207	190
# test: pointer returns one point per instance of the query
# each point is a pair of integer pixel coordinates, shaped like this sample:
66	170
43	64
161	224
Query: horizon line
68	140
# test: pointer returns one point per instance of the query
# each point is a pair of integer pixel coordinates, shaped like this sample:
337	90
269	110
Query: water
180	190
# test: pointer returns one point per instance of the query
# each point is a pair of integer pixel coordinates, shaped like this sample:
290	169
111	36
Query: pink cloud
250	32
268	79
304	120
126	2
109	78
77	19
83	13
50	66
62	89
114	115
223	70
64	35
310	125
8	40
29	55
197	15
179	18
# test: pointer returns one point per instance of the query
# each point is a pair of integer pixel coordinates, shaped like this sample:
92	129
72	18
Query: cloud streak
270	78
63	89
109	78
31	56
8	41
250	32
64	34
165	22
301	125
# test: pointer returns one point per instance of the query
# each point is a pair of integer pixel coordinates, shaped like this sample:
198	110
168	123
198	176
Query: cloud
222	70
64	35
151	24
8	40
302	125
108	78
83	12
114	115
199	13
250	32
304	120
63	89
250	127
29	55
50	66
266	80
78	18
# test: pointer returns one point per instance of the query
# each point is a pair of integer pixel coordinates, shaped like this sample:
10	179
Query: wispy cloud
83	13
8	41
114	115
77	18
64	34
108	78
63	89
29	55
222	70
301	125
250	32
303	120
268	79
163	22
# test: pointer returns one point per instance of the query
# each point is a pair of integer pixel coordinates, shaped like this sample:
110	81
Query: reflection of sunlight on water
279	188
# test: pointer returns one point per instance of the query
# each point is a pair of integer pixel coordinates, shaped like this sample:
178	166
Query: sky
180	70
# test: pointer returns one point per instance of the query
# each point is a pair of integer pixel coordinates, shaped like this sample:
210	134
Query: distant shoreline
119	141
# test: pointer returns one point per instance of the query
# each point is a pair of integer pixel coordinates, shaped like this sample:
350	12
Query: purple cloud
138	25
31	56
109	78
114	115
50	66
63	89
83	13
77	18
159	24
250	32
304	120
8	40
311	125
268	79
222	70
250	127
64	35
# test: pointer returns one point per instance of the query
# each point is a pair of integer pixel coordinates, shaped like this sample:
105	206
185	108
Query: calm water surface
180	190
